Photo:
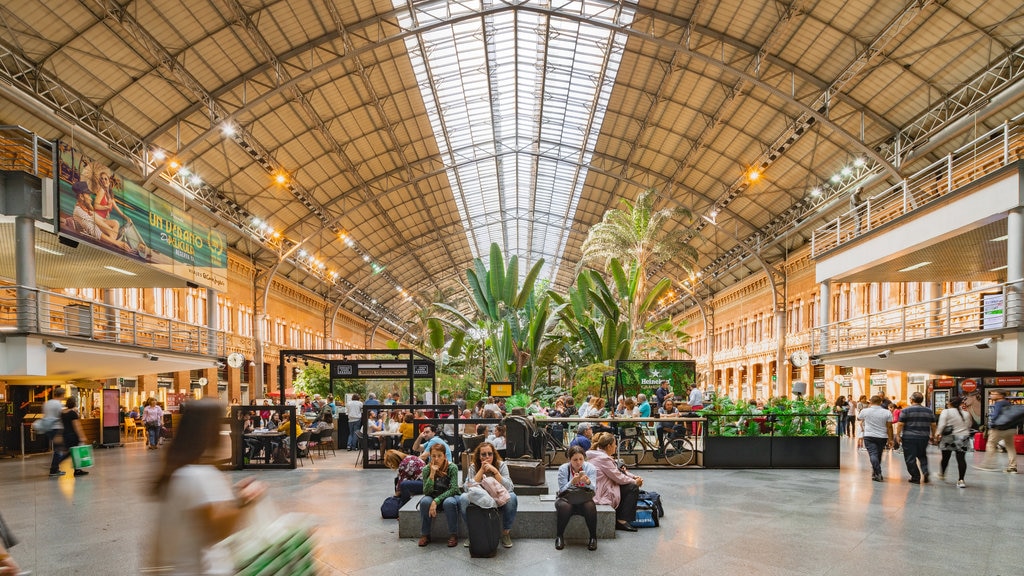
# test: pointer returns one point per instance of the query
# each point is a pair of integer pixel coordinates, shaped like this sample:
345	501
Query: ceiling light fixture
1000	239
915	266
48	250
119	270
998	268
227	129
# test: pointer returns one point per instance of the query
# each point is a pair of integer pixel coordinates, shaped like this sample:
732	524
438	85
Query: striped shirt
917	421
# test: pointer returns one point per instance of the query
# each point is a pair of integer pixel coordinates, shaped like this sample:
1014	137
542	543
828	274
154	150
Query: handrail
989	152
23	151
994	307
35	311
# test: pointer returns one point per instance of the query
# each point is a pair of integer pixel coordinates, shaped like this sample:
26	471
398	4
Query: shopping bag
81	456
281	547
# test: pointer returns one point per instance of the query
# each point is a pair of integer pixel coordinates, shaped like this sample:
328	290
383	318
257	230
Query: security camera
151	357
983	344
57	347
885	354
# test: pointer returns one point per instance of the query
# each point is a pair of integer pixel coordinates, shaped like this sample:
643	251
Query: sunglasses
487	454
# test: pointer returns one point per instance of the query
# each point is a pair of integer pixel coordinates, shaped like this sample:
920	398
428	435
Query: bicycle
679	450
552	446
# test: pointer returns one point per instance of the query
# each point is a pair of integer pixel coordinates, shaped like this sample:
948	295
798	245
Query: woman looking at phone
576	478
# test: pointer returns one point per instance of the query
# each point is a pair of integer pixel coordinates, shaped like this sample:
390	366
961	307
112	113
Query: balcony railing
986	154
991	308
23	151
33	311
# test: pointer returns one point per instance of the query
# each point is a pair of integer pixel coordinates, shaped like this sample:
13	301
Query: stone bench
535	519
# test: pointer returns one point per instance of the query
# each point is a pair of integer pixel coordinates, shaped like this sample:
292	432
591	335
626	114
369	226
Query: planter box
805	452
737	452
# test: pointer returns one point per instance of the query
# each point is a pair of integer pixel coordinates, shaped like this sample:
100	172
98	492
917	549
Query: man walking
915	428
999	403
877	433
53	408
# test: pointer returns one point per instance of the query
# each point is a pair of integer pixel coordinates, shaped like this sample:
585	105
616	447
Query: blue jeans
451	513
408	488
353	441
153	434
508	511
875	447
60	452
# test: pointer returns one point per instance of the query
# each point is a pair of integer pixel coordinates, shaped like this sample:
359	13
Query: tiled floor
729	522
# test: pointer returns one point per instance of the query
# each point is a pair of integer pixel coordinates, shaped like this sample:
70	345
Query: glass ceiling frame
516	99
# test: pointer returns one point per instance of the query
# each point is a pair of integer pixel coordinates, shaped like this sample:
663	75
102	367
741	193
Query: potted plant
788	434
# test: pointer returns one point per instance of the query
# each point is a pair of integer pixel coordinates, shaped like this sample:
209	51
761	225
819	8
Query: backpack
1009	417
520	434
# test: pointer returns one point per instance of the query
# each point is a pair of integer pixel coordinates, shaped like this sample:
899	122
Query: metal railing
991	308
34	311
23	151
986	154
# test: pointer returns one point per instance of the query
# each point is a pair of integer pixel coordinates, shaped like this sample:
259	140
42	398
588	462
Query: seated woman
617	488
578	473
498	439
409	480
407	430
487	462
440	488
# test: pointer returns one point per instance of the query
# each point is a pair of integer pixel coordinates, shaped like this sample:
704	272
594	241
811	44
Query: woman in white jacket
958	441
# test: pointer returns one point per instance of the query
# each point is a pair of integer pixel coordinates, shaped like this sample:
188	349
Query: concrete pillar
212	322
933	294
25	273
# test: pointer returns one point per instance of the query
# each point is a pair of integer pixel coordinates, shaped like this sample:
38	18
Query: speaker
800	388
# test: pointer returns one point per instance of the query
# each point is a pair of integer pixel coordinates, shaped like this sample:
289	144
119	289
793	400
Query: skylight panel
516	99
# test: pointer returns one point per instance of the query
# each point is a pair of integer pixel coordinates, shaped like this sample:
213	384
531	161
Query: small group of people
914	428
589	478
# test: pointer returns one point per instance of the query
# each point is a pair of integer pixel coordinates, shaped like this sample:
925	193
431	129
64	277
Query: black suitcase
484	528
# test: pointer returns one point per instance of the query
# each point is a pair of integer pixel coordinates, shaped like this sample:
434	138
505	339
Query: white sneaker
961	484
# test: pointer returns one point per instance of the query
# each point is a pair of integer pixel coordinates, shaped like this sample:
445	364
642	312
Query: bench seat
534	519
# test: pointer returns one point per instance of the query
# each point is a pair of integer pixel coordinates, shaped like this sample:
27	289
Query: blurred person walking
198	505
52	409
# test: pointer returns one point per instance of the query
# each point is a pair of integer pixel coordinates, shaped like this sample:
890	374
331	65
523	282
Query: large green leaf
497	272
455	348
436	333
508	292
528	282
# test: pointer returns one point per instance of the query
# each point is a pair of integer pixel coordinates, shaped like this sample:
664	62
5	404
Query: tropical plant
642	236
800	417
513	321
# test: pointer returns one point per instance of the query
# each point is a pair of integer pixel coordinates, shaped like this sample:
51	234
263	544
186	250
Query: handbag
947	429
576	495
6	537
441	485
496	490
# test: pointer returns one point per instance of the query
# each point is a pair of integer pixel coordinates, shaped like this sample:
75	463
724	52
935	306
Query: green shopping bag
81	456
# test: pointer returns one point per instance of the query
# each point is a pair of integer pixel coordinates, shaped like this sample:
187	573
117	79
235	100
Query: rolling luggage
979	441
484	528
1018	443
526	471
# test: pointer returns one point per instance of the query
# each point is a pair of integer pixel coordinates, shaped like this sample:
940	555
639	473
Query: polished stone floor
728	522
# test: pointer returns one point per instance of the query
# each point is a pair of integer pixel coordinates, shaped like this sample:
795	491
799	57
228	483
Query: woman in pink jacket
615	487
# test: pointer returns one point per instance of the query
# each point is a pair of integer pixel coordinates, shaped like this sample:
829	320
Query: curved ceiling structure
374	148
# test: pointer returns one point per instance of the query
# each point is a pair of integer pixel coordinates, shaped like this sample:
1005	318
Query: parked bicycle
678	450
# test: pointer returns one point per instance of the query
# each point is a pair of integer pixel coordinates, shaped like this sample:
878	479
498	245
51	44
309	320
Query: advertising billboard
99	207
635	376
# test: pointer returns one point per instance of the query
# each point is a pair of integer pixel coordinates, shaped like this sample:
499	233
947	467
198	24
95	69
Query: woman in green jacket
440	489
